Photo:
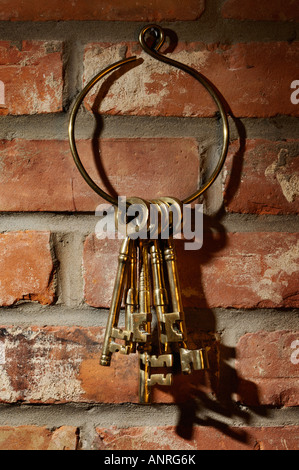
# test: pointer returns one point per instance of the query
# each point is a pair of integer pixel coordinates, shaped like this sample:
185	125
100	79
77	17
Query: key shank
109	346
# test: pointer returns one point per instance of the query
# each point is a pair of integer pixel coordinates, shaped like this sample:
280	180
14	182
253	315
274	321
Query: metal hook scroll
153	52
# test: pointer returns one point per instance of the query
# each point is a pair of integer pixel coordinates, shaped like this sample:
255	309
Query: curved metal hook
160	37
71	129
154	52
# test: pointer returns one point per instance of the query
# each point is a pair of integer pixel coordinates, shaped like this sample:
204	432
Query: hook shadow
106	85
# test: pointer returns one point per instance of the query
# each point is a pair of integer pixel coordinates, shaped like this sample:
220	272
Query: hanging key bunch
147	282
145	267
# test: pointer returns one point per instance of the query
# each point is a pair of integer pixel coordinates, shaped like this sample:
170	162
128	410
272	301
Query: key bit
124	335
197	358
167	328
116	347
140	327
160	379
165	360
118	333
171	328
174	284
147	380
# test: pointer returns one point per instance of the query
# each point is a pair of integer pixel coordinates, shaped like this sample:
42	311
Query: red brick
240	270
263	178
26	267
38	438
131	167
276	10
203	438
254	79
114	10
32	73
266	369
61	365
58	365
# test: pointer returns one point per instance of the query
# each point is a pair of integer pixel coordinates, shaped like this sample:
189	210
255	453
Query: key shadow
206	398
209	398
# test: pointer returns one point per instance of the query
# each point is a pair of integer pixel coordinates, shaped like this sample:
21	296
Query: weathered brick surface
245	270
115	10
253	78
38	438
26	267
241	270
61	364
44	366
263	178
267	368
276	10
48	180
56	364
100	264
203	438
32	73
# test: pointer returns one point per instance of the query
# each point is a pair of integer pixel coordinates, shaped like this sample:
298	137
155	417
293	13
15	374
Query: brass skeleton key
197	358
131	297
168	330
112	332
142	319
147	361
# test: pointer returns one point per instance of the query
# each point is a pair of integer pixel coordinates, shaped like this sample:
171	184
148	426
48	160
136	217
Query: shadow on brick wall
105	86
210	398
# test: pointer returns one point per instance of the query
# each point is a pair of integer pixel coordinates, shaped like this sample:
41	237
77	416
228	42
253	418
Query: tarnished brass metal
164	220
137	283
72	121
175	212
140	225
111	333
160	379
141	319
147	379
144	313
131	297
144	378
167	321
159	294
165	360
174	287
197	358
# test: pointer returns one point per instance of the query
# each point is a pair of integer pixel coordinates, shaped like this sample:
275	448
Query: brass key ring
154	52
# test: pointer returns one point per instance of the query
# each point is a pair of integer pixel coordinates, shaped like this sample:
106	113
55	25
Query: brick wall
240	291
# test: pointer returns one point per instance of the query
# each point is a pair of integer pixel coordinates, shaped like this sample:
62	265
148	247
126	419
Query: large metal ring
154	52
